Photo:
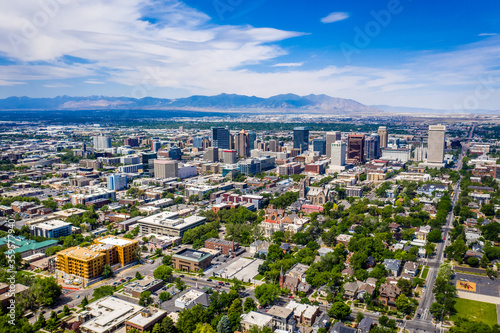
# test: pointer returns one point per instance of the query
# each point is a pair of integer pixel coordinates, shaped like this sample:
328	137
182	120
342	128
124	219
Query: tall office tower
229	156
378	151
166	169
332	137
273	145
262	146
435	150
319	145
369	150
252	136
232	144
117	182
102	142
155	146
221	138
211	155
243	147
301	138
384	136
355	149
338	150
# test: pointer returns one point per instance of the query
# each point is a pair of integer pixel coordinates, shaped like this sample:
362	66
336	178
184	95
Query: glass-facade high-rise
319	145
301	138
221	138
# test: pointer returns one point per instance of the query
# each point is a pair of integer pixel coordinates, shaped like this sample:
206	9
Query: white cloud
288	64
56	85
184	51
488	34
335	17
93	82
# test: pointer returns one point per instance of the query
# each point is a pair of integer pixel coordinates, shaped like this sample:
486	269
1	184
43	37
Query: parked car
209	280
77	296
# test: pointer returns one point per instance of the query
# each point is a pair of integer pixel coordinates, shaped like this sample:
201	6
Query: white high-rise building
436	144
102	142
331	138
338	153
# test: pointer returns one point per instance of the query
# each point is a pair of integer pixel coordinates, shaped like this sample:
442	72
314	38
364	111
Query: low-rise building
257	319
145	320
192	298
169	224
225	246
191	260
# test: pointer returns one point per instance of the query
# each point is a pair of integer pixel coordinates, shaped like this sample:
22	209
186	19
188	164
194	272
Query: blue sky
436	54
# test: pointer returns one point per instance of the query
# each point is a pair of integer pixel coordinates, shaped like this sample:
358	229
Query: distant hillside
316	103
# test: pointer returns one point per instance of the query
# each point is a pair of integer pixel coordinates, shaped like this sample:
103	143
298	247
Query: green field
425	272
474	310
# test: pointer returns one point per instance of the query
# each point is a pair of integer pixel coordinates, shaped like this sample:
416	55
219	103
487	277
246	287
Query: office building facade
338	153
436	144
355	149
384	136
243	146
117	182
301	138
166	169
319	145
221	138
101	142
332	137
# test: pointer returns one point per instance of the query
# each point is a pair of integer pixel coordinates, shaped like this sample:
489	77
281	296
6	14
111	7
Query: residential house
295	279
388	293
393	266
411	268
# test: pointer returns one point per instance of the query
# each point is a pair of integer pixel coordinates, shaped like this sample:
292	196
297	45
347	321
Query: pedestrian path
480	298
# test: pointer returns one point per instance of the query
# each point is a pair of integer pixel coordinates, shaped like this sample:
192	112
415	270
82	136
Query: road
425	322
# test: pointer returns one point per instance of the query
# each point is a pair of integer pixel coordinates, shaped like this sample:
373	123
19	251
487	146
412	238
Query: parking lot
484	285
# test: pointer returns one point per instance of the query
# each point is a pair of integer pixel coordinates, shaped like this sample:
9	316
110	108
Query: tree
166	326
429	249
383	320
488	209
85	302
267	293
434	236
339	310
405	286
41	321
224	325
103	291
204	328
179	284
163	272
166	260
145	299
107	271
52	324
359	317
404	304
249	304
138	275
189	318
66	310
164	296
46	291
473	261
234	314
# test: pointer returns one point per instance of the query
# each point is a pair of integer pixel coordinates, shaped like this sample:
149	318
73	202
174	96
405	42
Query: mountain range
288	102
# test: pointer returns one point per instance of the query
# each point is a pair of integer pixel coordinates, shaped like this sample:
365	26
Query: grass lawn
474	310
425	272
259	277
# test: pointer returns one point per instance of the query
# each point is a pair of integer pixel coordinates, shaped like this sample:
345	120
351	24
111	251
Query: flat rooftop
141	320
113	240
108	313
192	255
81	253
52	224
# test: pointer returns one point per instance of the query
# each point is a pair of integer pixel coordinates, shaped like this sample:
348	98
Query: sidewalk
480	298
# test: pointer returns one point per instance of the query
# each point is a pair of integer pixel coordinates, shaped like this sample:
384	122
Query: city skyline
396	53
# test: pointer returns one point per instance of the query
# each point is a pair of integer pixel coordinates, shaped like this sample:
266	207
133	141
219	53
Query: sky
412	53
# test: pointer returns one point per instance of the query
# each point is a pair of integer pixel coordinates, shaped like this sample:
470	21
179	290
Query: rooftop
192	255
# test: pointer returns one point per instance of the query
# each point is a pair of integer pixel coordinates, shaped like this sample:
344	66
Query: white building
436	144
102	142
338	153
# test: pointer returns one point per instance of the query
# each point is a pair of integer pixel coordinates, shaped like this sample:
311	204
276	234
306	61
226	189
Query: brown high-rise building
384	136
355	149
243	147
